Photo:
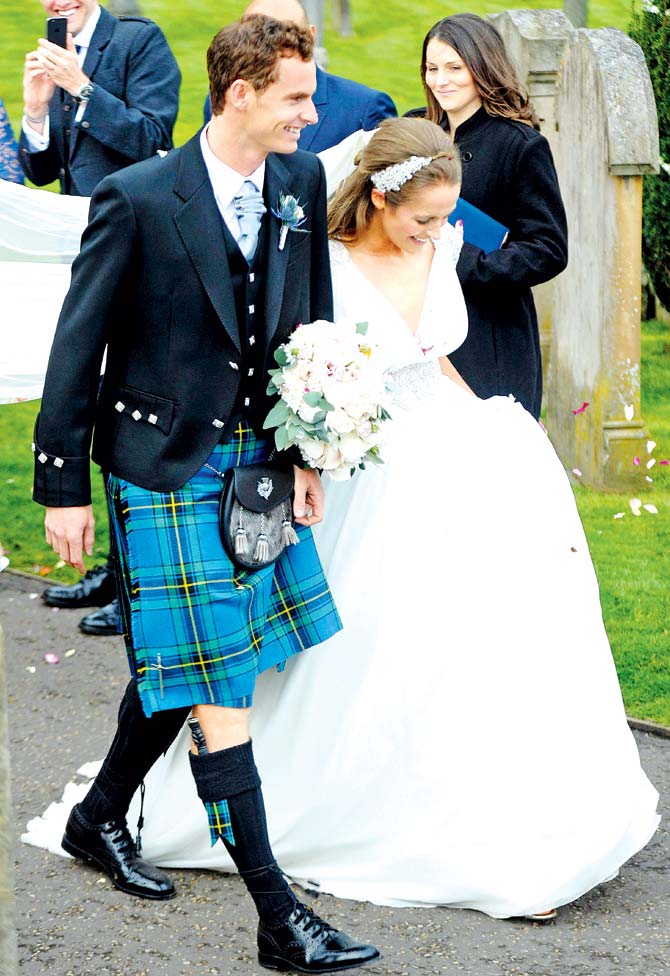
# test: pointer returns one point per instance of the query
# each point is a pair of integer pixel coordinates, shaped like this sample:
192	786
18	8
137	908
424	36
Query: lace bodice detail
443	323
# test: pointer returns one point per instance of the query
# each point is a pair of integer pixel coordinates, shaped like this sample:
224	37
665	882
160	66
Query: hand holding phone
57	30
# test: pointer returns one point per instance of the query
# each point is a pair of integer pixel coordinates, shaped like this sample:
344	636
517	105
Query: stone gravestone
8	948
535	40
124	7
607	138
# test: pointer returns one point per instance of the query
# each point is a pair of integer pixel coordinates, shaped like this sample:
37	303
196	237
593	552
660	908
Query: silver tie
249	208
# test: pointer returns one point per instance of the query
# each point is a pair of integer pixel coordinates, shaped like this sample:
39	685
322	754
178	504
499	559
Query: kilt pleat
197	629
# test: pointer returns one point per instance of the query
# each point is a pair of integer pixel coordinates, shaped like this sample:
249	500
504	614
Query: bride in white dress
463	740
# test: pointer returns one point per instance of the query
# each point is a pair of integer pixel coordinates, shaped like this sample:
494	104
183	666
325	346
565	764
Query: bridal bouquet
331	397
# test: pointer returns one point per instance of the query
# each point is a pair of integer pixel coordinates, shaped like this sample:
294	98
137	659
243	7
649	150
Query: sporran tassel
288	534
262	551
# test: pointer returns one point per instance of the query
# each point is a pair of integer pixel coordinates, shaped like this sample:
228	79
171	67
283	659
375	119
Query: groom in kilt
189	281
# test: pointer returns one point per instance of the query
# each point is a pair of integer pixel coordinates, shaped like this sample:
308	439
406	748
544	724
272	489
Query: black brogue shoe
95	589
110	846
307	944
103	622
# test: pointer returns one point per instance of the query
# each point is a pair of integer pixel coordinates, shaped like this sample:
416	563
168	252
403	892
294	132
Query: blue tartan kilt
197	629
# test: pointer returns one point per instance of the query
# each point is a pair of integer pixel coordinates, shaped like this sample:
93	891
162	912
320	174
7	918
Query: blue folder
478	228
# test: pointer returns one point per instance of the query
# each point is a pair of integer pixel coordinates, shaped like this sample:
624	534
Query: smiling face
451	82
412	225
77	12
275	117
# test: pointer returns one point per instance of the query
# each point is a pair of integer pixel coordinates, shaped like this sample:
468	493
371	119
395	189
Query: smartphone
57	30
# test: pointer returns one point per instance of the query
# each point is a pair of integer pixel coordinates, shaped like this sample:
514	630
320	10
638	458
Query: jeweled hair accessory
393	177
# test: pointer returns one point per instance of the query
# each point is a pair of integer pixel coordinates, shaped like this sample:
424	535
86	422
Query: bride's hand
308	495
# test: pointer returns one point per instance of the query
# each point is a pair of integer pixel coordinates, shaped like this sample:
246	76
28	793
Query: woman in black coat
472	91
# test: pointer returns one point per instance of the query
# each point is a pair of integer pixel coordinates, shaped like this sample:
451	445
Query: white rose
339	422
352	448
311	449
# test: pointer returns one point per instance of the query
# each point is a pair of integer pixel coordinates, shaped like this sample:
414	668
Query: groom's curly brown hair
250	49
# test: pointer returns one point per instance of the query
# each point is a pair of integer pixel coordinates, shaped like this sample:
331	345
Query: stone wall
607	137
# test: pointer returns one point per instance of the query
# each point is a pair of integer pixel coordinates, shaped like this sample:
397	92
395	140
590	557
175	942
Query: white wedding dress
463	740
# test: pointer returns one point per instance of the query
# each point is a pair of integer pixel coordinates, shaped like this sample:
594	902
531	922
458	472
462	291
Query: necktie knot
249	209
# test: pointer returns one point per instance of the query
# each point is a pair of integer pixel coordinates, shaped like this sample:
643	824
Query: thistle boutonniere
291	214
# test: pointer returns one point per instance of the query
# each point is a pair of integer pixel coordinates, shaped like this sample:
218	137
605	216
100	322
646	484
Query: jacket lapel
199	225
320	99
277	180
102	35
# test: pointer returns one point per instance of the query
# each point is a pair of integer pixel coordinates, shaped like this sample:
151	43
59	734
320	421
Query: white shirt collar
226	181
83	38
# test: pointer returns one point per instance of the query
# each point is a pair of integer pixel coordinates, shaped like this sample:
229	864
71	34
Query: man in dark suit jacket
191	306
108	100
343	106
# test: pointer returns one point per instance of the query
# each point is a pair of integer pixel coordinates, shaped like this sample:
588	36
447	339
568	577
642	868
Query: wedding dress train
463	740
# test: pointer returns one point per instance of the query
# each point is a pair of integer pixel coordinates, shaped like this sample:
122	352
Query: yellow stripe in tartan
182	665
175	504
184	586
190	607
219	825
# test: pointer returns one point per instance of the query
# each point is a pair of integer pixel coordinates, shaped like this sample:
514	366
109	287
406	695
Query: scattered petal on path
60	564
650	480
51	658
4	563
636	460
651	509
577	472
31	670
580	409
664	462
650	446
619	515
651	462
628	411
635	505
33	596
71	652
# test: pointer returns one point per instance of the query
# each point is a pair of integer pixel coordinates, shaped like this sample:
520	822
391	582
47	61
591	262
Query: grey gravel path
73	923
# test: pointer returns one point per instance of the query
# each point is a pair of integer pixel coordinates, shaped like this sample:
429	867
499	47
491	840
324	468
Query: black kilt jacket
151	286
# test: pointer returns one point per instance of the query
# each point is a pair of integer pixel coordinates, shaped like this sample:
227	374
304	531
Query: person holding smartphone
99	94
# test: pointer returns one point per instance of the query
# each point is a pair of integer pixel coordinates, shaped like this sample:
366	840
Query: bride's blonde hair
350	209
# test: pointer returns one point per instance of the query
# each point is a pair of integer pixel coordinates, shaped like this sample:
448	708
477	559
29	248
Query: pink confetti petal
664	462
51	658
580	409
577	472
636	460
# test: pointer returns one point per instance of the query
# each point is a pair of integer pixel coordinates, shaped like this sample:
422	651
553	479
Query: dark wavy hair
482	49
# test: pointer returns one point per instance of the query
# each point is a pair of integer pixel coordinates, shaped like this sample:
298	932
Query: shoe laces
311	923
124	841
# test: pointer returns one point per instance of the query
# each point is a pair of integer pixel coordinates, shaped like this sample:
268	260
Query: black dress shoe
307	944
101	622
93	590
111	847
